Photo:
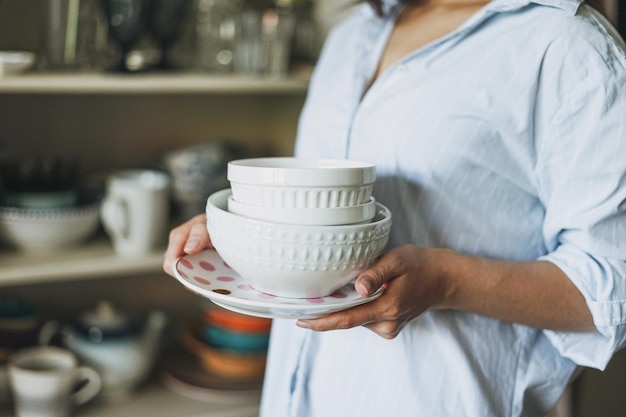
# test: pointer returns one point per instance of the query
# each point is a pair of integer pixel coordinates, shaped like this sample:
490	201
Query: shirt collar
570	6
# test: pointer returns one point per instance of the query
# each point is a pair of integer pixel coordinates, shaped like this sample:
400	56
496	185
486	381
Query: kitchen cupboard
117	122
111	122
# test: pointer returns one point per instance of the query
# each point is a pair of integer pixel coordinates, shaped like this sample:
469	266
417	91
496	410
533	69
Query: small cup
43	381
135	211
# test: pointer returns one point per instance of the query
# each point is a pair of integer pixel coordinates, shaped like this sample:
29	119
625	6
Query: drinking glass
264	41
126	20
165	22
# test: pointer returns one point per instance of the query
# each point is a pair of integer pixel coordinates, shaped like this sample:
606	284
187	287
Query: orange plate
235	321
223	362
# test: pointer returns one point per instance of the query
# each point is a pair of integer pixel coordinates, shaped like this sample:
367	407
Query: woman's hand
532	293
188	238
413	282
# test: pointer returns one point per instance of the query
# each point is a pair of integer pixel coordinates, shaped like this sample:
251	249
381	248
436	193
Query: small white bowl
301	172
301	197
41	231
306	216
16	62
297	261
301	182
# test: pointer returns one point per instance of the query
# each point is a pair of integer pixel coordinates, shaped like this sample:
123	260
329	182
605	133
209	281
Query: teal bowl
235	341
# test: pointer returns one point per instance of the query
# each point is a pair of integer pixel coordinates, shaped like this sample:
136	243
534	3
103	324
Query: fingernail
303	324
192	244
366	286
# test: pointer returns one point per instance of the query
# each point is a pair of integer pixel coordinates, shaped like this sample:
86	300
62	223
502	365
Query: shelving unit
154	83
95	259
114	120
117	121
154	400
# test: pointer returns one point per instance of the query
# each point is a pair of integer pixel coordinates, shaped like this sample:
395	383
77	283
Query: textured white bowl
301	182
46	231
306	216
301	197
295	261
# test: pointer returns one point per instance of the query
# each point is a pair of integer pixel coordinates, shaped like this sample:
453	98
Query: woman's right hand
188	238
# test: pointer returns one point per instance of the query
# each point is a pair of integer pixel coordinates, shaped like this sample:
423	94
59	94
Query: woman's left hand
413	281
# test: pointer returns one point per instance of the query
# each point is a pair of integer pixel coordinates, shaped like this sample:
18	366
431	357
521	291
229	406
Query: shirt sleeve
582	182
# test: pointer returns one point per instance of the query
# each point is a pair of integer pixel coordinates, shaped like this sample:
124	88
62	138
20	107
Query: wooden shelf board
94	259
178	83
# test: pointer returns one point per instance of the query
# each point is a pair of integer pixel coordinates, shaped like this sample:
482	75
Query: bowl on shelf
197	171
16	62
297	261
301	182
39	182
42	231
19	324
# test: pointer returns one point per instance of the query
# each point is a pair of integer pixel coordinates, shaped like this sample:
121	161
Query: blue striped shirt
504	139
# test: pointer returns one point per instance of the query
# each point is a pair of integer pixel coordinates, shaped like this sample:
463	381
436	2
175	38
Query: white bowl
42	231
305	215
301	182
16	62
297	261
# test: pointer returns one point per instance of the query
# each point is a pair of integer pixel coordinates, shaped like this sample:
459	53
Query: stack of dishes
42	208
229	344
295	231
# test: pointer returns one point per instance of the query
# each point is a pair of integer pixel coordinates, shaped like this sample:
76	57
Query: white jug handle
114	215
90	388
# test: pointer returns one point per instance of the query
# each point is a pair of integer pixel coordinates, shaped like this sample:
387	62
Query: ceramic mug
135	211
43	381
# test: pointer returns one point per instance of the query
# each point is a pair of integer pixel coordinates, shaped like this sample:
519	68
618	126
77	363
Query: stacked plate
219	358
292	234
229	344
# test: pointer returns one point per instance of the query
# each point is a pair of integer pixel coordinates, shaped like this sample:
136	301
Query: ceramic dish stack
229	344
42	208
292	234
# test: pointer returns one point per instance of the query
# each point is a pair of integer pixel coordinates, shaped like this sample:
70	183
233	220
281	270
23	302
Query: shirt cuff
602	283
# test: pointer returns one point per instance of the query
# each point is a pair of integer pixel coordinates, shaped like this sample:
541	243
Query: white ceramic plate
208	275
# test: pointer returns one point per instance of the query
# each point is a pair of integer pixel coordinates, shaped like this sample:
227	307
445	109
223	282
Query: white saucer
208	275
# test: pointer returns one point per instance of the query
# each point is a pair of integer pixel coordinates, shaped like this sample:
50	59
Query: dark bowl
38	173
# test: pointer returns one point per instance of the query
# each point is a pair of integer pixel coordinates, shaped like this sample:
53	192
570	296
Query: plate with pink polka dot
207	274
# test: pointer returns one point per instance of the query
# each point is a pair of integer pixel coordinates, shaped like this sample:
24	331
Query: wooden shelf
153	83
155	400
95	259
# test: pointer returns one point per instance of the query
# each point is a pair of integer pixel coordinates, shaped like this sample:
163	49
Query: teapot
105	339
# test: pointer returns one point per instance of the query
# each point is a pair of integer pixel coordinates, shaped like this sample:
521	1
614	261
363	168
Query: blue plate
237	341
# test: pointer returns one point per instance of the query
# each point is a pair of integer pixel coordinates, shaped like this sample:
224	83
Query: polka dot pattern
208	275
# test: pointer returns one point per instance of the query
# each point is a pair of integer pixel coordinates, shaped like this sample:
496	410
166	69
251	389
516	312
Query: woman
497	129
